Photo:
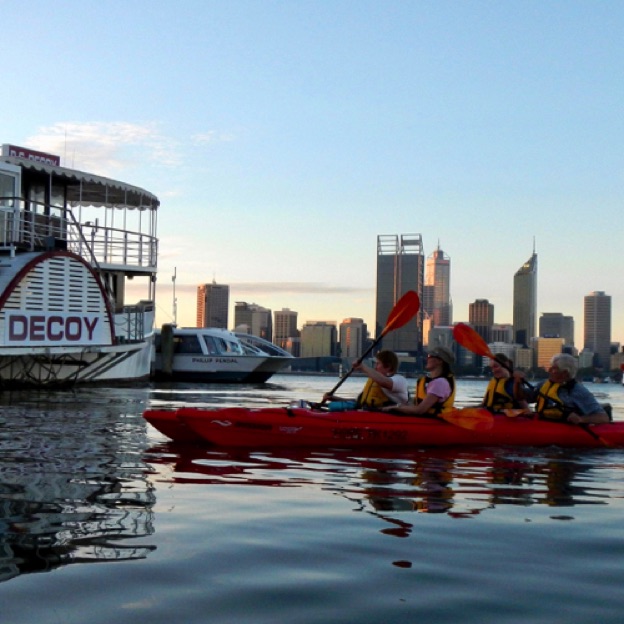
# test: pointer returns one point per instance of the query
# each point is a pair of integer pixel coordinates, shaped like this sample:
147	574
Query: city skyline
281	139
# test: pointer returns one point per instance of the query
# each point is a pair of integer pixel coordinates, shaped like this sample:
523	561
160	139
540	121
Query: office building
285	329
353	337
481	317
502	332
438	280
400	267
318	339
597	327
253	319
556	325
525	302
545	349
213	301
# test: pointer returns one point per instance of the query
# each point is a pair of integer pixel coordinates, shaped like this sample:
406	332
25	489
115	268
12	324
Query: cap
443	353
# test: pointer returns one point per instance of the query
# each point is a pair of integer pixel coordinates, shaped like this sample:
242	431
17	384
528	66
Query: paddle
476	418
404	310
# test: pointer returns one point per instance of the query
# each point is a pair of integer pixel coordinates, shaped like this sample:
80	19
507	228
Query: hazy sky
283	137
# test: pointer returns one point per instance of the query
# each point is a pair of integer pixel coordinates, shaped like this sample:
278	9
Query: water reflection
457	482
72	486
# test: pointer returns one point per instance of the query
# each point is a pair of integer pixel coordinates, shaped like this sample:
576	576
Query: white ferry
69	243
210	354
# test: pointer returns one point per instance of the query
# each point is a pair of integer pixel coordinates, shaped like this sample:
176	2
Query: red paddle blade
468	338
405	309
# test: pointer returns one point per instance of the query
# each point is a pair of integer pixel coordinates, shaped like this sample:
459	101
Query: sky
283	137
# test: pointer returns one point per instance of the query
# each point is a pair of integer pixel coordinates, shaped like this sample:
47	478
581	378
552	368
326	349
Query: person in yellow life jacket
383	387
435	393
562	398
504	391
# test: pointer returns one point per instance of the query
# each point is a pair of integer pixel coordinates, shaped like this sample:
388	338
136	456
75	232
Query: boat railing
134	322
33	226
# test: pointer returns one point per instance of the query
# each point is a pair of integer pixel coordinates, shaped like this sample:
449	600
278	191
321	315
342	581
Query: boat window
7	190
211	347
186	344
225	346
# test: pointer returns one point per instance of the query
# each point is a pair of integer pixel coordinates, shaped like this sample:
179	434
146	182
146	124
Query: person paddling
563	399
504	391
383	387
435	393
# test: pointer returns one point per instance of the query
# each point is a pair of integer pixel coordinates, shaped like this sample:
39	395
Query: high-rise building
597	326
400	267
318	339
438	278
481	317
253	319
353	336
502	332
525	302
545	349
213	301
556	325
285	328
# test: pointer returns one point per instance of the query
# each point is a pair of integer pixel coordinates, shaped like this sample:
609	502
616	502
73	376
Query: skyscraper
481	317
318	339
525	302
597	326
400	267
438	277
285	327
256	319
213	301
353	335
556	325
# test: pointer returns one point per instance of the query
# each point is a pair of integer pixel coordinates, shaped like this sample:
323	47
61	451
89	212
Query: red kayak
301	427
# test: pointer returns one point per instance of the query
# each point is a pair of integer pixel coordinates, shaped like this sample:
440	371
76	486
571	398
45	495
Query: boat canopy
87	189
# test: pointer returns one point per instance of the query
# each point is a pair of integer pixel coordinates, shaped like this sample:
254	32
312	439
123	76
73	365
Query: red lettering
37	328
18	327
55	320
73	328
91	326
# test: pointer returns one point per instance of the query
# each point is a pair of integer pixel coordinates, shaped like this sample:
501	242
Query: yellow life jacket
548	405
498	396
438	408
373	396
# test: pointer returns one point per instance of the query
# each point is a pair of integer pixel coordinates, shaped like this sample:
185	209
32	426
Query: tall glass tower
400	267
525	302
438	279
597	327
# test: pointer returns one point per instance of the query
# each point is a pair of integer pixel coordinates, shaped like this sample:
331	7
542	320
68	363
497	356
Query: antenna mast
175	301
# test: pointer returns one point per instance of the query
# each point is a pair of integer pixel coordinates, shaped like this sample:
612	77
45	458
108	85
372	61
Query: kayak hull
300	427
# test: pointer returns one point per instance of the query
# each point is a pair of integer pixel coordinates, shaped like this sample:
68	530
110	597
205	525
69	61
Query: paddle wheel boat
70	241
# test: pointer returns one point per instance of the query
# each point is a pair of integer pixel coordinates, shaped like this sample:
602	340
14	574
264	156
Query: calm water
102	520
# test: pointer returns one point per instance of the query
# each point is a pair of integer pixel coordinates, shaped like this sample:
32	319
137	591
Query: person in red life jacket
383	387
563	399
435	393
504	391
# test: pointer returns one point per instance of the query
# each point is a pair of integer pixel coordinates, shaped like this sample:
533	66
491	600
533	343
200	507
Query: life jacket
373	396
438	408
499	395
549	405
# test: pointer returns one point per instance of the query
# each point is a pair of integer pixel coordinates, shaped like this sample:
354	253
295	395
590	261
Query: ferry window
187	344
211	347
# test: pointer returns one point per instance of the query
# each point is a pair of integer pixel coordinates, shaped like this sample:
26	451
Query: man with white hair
562	398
